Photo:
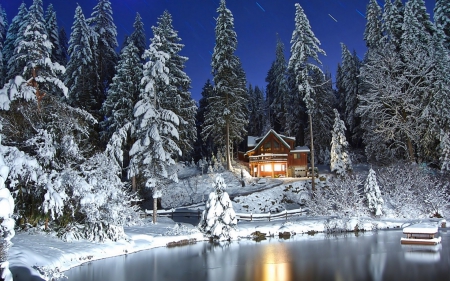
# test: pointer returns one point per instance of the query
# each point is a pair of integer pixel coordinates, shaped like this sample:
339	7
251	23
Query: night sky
256	25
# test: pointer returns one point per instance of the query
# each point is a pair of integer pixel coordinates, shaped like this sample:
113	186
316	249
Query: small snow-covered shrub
373	194
218	220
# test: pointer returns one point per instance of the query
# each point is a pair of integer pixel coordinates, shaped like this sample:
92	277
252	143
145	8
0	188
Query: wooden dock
421	234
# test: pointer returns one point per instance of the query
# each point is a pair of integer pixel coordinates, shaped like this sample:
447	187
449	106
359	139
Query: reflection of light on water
276	264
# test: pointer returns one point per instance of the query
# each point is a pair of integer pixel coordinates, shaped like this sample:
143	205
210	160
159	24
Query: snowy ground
43	254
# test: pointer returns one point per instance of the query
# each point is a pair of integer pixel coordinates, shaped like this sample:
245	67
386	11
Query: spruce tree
80	65
175	96
3	28
154	151
444	151
34	51
340	159
123	92
277	89
392	21
203	147
64	45
53	34
104	53
138	35
257	117
373	32
226	117
442	19
373	194
304	51
13	37
351	88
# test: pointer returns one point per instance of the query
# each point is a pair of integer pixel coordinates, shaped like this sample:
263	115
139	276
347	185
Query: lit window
267	146
296	155
268	168
278	167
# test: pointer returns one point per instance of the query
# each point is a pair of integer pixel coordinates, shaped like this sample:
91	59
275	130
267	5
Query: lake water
370	256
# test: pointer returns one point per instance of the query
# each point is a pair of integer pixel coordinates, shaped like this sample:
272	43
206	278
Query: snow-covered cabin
275	155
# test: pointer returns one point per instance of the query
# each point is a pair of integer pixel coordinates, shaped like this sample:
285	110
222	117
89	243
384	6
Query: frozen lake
370	256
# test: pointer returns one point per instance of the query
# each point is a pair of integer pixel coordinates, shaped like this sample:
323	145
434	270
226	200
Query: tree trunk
133	183
410	150
155	209
313	185
228	147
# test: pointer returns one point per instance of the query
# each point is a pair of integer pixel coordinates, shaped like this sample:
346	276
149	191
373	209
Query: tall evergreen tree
340	159
226	117
123	92
257	109
80	66
13	36
154	151
392	21
351	88
105	56
277	89
64	45
203	147
373	32
3	28
175	96
442	19
138	35
323	115
34	51
53	34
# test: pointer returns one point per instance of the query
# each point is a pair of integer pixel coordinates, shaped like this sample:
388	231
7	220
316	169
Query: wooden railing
240	216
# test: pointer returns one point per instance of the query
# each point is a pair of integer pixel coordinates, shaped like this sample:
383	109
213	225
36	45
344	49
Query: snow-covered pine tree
123	92
104	52
203	147
277	89
138	36
305	49
373	194
218	220
351	88
442	19
175	96
152	154
340	159
373	32
14	34
34	51
323	116
3	28
53	34
257	110
226	115
392	21
64	45
80	66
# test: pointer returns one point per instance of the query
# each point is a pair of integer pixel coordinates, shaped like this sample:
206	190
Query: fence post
172	213
251	216
270	215
286	213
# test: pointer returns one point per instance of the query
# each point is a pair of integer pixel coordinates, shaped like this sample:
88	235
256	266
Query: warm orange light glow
275	264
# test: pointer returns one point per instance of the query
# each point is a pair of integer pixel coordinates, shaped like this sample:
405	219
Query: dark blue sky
256	25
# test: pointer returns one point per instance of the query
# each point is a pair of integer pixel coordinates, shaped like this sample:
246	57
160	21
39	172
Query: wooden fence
240	216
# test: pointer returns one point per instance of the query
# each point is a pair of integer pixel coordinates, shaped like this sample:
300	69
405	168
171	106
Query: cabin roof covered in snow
259	140
300	149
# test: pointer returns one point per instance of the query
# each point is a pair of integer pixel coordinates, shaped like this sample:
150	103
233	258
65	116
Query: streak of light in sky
260	7
333	18
359	12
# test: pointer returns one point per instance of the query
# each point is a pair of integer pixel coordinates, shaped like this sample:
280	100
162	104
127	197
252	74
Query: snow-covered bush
6	221
340	197
340	161
412	191
373	194
218	220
